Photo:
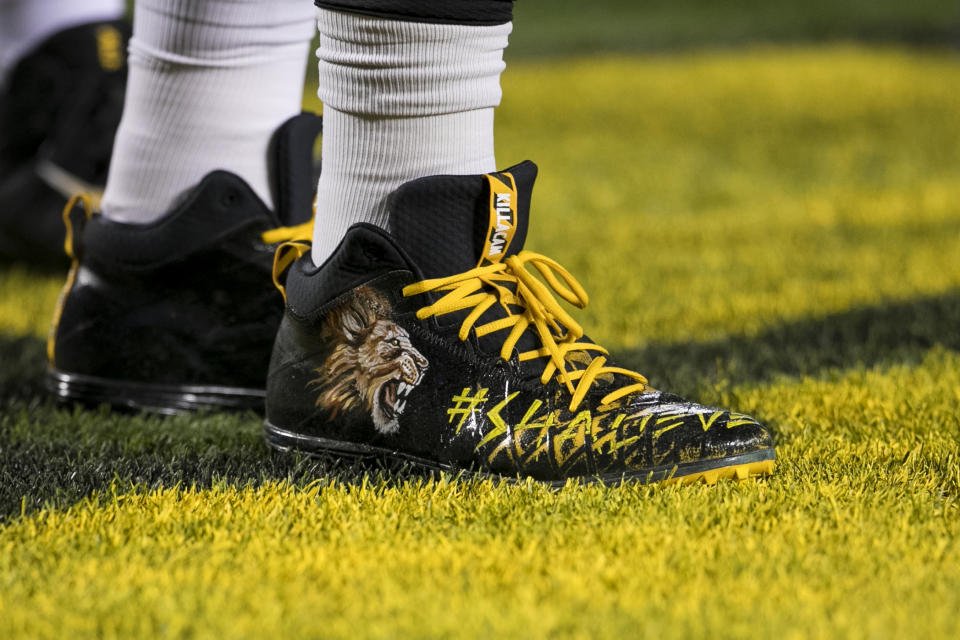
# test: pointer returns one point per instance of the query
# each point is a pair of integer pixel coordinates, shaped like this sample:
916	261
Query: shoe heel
283	440
152	398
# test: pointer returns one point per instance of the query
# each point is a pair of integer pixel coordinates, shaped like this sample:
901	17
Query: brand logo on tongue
503	217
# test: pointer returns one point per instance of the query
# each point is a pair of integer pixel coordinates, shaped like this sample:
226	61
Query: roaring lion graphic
371	366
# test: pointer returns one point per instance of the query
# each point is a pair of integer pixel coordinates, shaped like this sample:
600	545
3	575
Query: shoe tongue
291	164
450	224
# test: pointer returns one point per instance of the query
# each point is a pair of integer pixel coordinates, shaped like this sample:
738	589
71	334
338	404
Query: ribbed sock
26	23
402	100
210	81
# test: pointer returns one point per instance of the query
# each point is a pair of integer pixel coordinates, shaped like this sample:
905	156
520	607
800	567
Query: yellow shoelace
293	242
510	284
299	233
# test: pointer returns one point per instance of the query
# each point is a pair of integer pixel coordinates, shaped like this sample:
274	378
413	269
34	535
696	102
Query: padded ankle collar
221	206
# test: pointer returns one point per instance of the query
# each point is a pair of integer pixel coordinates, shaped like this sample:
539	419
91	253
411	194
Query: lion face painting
372	365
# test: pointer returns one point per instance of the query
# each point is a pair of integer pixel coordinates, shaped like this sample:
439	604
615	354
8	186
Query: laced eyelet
528	304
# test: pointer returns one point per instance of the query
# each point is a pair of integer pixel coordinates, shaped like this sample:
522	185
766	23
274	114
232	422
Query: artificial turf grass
766	185
55	457
854	537
734	166
27	300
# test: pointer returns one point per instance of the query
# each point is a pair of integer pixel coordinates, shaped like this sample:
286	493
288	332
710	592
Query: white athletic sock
210	81
26	23
401	100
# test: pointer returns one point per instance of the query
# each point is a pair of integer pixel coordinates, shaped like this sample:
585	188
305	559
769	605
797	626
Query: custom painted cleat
436	344
59	112
181	314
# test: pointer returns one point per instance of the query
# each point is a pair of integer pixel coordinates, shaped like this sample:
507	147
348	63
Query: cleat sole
165	399
742	466
733	472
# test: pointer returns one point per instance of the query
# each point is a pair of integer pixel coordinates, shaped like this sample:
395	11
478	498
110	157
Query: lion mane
372	366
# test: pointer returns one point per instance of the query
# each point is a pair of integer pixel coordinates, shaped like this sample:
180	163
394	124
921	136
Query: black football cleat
436	344
59	112
181	314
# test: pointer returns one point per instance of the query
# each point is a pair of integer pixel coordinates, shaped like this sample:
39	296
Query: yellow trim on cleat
735	472
86	201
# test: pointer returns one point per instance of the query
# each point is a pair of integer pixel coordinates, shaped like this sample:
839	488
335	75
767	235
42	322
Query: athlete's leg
209	84
402	99
170	304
